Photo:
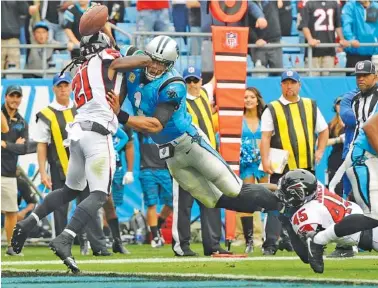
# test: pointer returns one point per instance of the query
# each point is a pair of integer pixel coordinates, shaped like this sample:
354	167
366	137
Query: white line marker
172	260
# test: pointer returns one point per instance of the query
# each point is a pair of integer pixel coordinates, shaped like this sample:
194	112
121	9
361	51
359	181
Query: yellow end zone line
202	275
173	260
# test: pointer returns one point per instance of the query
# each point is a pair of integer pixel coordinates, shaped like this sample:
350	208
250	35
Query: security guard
50	133
198	104
290	123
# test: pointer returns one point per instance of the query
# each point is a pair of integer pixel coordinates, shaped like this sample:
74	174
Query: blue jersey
145	96
362	140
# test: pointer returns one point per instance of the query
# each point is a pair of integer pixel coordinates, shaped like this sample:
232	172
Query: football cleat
157	242
315	255
21	232
118	247
61	246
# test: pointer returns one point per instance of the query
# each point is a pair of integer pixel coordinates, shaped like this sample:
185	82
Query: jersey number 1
81	88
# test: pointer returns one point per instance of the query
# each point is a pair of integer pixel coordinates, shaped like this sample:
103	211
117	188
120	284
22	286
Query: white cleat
157	242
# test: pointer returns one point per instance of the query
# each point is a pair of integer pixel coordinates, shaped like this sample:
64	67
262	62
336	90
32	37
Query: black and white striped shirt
363	105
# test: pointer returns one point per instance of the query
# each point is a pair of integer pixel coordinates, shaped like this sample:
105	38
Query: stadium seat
297	60
130	15
22	61
127	27
182	46
61	60
250	63
184	61
341	59
286	60
290	40
294	30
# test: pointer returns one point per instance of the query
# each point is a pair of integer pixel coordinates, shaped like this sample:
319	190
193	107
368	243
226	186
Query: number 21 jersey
322	18
90	86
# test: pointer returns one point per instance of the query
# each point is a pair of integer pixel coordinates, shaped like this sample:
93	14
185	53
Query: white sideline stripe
231	85
222	58
230	113
172	260
230	140
213	276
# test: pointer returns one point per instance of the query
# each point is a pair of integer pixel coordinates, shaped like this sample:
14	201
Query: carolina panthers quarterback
157	93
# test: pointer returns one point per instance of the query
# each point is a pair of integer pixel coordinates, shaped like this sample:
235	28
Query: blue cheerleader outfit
250	157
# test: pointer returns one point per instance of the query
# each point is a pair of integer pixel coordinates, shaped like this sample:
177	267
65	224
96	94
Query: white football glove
128	178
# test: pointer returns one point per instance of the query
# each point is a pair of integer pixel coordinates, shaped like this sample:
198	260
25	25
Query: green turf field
144	259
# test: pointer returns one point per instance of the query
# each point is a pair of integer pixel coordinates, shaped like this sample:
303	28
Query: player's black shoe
21	232
315	255
61	246
118	247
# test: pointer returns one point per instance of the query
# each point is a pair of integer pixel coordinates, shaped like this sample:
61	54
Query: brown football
93	20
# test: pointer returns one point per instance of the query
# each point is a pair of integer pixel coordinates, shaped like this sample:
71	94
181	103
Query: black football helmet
94	43
297	187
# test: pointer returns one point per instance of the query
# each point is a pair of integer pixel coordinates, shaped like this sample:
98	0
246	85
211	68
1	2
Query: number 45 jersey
90	85
324	211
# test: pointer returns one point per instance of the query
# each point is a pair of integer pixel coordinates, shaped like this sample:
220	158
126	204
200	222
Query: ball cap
192	71
290	75
13	89
65	77
364	67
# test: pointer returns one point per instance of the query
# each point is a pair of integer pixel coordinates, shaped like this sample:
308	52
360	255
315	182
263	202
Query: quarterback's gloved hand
128	178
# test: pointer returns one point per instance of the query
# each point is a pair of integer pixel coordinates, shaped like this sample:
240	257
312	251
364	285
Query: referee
198	104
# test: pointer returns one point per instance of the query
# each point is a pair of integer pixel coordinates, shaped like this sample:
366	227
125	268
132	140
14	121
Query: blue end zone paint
143	282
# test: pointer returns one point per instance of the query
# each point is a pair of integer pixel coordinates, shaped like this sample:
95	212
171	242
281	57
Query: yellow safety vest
202	116
57	154
294	127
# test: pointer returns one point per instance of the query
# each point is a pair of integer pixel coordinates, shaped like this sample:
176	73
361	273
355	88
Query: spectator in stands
34	58
153	16
71	24
11	23
180	16
207	20
194	25
286	17
52	13
360	25
250	158
319	21
271	57
13	144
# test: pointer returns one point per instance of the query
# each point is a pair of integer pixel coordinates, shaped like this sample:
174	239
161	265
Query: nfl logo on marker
231	39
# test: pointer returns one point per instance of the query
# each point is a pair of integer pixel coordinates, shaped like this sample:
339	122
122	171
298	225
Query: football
93	20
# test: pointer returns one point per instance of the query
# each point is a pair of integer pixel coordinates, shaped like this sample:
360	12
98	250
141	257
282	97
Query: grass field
144	260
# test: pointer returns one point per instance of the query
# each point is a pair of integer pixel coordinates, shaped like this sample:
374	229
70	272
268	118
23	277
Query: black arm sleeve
298	245
164	112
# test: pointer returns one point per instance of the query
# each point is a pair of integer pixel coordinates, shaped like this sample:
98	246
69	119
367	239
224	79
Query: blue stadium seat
127	27
184	61
294	30
182	46
61	59
250	64
22	61
130	15
297	60
341	58
286	60
290	40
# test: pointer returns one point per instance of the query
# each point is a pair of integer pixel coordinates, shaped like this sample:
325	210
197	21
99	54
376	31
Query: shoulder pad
173	91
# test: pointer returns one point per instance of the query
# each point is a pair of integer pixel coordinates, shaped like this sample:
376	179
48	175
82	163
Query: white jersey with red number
325	210
90	85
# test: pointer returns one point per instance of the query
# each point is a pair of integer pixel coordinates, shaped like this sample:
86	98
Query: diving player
157	93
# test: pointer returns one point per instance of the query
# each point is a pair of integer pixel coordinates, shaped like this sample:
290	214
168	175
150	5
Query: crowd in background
51	22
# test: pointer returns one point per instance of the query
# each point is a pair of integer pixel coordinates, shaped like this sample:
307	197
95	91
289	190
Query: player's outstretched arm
371	130
125	64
